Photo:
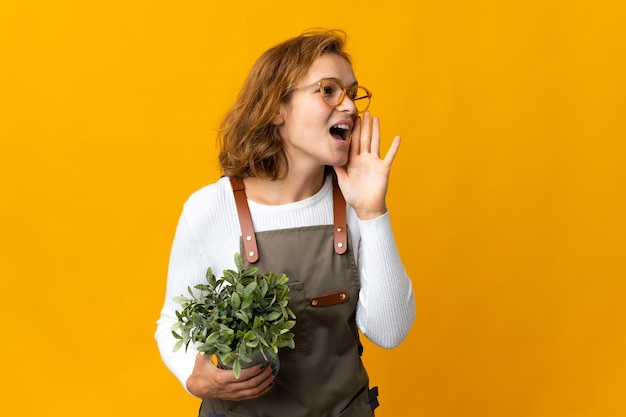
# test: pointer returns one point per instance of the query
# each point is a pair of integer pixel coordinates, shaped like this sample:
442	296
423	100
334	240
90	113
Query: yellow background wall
507	197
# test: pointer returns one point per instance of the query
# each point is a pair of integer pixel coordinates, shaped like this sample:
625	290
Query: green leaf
203	287
274	315
263	288
210	277
249	272
237	368
238	261
178	345
252	343
281	279
230	276
242	316
222	348
206	349
213	338
247	301
235	301
242	350
250	288
181	300
289	324
258	322
286	343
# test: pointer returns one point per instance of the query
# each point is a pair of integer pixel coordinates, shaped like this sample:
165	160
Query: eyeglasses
333	93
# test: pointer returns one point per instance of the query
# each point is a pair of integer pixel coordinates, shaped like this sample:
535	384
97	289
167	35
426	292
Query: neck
289	189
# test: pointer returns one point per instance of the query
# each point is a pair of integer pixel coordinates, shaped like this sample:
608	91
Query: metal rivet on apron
339	229
248	238
251	253
342	296
339	245
314	302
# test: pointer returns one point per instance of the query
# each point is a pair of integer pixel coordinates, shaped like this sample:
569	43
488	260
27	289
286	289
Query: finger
365	132
355	143
393	150
255	386
375	142
204	360
254	393
248	377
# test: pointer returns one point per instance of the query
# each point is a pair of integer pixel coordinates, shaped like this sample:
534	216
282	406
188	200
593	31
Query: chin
341	163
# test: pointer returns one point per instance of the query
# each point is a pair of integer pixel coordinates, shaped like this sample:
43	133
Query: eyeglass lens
333	94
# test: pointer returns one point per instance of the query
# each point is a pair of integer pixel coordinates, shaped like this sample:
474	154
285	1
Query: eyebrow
338	81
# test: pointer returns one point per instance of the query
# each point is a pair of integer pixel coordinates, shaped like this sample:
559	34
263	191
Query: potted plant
241	317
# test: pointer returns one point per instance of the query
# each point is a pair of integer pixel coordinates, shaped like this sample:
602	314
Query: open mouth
341	132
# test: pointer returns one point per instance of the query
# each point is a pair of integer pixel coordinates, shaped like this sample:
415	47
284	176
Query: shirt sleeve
185	270
386	308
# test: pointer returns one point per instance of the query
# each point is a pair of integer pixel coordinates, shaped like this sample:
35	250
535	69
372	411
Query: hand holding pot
209	381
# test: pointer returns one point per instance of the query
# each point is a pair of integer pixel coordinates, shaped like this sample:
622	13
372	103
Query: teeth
341	130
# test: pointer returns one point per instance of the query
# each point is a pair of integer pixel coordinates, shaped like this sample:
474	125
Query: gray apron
323	376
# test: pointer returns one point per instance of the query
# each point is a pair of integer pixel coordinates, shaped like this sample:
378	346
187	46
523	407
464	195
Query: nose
347	105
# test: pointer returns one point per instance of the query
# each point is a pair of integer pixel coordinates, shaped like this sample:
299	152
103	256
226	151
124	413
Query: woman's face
314	133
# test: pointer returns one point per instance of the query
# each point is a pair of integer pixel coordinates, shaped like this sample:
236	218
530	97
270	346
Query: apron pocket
297	304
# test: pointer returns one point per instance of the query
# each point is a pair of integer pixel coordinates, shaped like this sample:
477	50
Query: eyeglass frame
344	92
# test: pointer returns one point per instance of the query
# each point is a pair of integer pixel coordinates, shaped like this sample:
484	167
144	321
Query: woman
295	145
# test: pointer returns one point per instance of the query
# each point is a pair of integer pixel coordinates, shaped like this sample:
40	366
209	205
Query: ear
279	118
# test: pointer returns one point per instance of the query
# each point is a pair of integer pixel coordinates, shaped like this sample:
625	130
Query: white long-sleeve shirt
208	234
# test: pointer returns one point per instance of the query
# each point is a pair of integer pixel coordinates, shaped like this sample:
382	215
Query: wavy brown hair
250	143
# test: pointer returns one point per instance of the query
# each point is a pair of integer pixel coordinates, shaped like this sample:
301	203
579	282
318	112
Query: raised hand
364	179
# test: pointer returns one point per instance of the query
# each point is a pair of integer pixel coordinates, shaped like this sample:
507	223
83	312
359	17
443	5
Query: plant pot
257	359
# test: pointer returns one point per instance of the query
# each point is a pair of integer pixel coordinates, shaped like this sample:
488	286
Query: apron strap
340	237
245	220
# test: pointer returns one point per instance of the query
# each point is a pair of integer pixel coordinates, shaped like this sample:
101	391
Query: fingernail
274	371
264	366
